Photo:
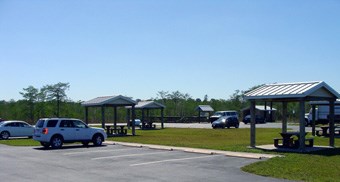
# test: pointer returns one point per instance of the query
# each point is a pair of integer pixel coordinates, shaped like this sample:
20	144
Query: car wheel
97	140
56	142
237	125
85	143
5	135
45	144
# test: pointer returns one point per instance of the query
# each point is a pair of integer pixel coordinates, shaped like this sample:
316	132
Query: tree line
52	101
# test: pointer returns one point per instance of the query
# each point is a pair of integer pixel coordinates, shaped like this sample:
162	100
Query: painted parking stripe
96	151
129	155
172	160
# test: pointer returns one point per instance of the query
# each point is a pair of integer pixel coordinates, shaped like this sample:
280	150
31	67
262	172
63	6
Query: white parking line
96	151
171	160
129	155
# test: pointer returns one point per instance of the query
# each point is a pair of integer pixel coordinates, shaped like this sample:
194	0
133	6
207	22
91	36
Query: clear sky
137	48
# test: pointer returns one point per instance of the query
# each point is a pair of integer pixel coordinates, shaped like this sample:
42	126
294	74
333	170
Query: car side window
52	123
79	124
66	124
24	125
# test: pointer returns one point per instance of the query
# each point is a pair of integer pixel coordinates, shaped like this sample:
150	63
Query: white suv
56	131
219	114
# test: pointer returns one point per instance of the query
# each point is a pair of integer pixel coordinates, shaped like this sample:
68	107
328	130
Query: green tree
56	92
30	94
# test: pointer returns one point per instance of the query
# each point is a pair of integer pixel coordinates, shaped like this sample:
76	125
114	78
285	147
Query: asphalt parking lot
119	163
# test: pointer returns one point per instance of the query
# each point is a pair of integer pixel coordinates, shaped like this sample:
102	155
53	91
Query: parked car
226	121
321	115
56	131
258	119
219	114
15	129
138	123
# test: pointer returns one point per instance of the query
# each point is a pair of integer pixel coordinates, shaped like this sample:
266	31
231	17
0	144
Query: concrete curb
195	150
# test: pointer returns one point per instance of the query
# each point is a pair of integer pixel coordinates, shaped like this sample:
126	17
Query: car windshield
218	114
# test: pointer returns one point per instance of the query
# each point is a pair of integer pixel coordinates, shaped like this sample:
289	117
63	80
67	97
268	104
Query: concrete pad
307	150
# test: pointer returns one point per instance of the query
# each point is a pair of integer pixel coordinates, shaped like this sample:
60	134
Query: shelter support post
313	119
252	123
162	116
115	119
284	117
133	119
331	123
143	119
302	126
265	111
128	115
199	116
271	112
87	115
103	116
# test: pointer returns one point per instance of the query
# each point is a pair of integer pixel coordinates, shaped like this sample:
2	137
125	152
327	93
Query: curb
199	151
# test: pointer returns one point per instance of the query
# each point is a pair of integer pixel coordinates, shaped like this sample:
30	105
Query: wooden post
265	111
313	119
128	115
143	119
252	124
271	112
103	117
284	117
162	116
331	123
133	119
302	126
199	115
115	119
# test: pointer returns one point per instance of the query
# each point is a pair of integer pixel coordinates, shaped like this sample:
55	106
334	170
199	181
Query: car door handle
77	129
62	129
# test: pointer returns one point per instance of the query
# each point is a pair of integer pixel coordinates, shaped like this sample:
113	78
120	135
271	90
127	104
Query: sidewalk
194	150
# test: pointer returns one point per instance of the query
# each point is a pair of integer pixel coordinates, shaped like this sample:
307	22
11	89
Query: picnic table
288	140
324	130
119	130
148	125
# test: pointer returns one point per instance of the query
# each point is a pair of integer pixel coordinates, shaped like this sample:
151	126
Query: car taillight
45	131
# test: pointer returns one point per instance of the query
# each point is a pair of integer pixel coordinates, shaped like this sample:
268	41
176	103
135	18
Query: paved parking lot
119	163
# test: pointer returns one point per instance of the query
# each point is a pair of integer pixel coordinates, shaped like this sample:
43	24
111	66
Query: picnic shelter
300	92
111	102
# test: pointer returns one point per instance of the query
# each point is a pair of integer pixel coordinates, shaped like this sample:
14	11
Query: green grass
317	166
20	142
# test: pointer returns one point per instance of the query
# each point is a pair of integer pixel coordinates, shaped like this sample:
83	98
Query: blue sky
137	48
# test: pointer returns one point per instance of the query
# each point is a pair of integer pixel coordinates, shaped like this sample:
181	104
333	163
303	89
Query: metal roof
110	100
204	108
149	105
317	90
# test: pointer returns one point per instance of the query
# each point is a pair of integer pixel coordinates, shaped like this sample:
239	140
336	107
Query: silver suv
219	114
56	131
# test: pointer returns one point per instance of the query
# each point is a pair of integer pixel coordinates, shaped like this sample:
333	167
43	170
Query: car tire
97	140
56	142
5	135
237	125
45	144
